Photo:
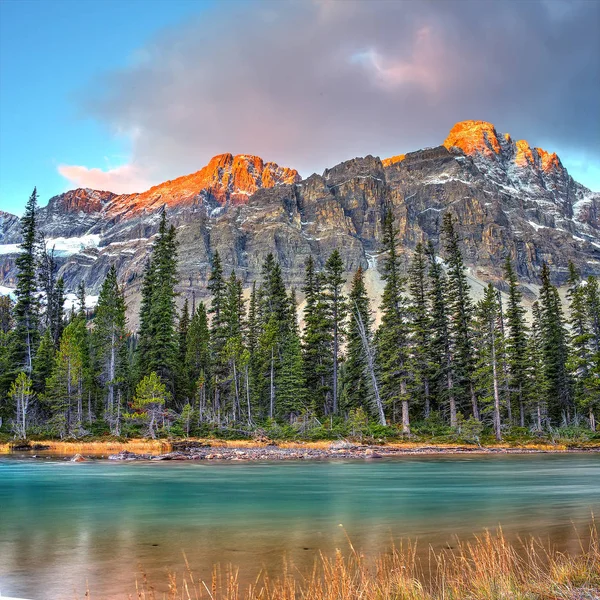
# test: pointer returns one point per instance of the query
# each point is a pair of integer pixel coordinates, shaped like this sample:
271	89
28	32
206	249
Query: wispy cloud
308	84
125	179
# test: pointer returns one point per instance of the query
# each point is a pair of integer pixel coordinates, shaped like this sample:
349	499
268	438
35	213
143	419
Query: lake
65	526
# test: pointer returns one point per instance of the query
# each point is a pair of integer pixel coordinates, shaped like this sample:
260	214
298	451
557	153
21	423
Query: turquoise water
65	526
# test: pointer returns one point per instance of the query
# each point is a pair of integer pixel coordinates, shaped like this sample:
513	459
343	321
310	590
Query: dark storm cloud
310	84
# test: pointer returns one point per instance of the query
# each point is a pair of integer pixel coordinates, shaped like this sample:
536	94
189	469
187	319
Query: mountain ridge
510	199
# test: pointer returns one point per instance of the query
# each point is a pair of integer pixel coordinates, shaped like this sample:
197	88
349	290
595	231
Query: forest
438	363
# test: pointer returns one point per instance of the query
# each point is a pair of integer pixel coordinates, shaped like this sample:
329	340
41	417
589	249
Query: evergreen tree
392	335
291	385
356	384
183	386
420	327
109	340
516	342
157	350
336	312
317	339
233	317
27	309
65	387
489	343
442	373
151	395
460	310
43	363
555	349
539	388
198	358
218	331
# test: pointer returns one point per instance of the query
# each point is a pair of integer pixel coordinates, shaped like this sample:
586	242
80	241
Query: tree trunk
248	397
474	401
592	420
452	402
371	365
427	400
521	406
405	415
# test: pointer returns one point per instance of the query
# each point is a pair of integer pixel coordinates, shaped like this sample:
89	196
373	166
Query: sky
123	94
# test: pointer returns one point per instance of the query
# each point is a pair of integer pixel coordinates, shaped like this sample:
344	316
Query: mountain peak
226	178
474	137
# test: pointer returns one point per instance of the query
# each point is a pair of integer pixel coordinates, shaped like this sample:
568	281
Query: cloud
308	84
125	179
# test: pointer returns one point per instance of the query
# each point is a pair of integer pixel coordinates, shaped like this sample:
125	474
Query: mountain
509	199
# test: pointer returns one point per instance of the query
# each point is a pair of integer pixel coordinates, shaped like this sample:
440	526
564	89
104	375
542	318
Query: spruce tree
392	335
291	385
183	387
489	343
218	332
109	340
316	339
420	327
356	384
65	387
460	310
555	349
157	348
43	363
539	388
442	373
336	311
516	342
198	358
27	308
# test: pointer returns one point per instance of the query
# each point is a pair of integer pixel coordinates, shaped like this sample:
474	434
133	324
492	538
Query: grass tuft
486	568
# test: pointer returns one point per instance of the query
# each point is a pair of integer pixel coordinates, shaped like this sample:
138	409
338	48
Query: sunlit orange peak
393	160
474	137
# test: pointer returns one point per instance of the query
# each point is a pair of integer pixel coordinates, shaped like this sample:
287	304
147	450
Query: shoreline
250	450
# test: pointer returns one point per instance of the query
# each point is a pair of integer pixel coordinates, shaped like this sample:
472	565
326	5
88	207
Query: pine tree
539	388
151	395
183	387
336	311
233	317
43	363
198	358
65	387
442	373
420	327
218	331
489	344
109	340
392	335
291	386
516	342
460	310
356	383
157	348
555	348
316	339
27	308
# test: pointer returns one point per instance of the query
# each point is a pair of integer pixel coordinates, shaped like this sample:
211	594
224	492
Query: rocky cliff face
509	199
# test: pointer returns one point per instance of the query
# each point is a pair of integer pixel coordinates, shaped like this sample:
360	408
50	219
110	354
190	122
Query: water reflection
65	525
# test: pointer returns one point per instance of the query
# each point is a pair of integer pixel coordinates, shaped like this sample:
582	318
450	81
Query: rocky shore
274	453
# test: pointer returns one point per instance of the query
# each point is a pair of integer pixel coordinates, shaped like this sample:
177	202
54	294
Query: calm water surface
67	525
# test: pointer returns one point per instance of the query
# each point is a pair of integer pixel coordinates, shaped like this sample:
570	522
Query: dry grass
488	568
98	448
147	446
